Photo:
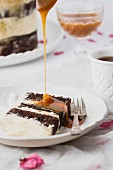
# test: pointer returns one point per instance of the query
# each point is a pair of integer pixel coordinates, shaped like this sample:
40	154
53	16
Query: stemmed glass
80	18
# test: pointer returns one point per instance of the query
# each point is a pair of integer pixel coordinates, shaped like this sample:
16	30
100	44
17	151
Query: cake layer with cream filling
18	28
44	119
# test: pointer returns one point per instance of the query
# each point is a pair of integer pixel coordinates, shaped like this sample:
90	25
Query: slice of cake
45	117
18	28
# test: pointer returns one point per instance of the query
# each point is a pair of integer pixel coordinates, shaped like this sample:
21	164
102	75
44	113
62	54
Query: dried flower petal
64	37
111	35
31	162
91	40
59	53
41	41
94	167
106	125
99	33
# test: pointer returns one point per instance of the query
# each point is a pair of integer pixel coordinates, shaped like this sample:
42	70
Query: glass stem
80	47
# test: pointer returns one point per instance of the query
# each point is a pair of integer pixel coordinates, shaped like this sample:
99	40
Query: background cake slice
18	28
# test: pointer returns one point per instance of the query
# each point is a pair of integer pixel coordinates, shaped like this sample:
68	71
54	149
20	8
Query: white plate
54	36
96	110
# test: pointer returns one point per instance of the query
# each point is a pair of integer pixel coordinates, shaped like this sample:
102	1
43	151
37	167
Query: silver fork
80	111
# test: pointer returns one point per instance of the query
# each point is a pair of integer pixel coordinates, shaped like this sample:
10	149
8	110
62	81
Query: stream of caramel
43	10
48	102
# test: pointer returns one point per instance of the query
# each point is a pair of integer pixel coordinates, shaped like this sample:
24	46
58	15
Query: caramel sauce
79	25
68	123
43	8
48	102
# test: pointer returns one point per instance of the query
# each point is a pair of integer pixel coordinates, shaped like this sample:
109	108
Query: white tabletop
93	151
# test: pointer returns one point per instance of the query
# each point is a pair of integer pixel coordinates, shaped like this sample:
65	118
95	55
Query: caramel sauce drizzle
48	102
43	9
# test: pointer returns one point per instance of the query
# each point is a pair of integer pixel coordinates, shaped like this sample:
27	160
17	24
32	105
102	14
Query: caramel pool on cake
18	28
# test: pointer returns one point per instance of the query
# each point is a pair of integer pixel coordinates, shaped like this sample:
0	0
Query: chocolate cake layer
43	119
37	97
18	44
62	116
19	11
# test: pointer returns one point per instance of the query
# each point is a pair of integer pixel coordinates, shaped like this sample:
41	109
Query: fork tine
83	107
77	104
82	103
75	127
78	107
81	113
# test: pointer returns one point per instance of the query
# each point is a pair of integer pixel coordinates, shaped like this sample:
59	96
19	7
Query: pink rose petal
31	162
104	142
99	33
111	35
64	37
94	167
41	41
59	53
91	40
106	125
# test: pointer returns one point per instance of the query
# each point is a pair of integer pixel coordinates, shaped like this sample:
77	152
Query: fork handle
75	131
75	120
75	127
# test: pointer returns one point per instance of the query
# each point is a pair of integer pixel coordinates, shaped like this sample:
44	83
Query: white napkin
85	153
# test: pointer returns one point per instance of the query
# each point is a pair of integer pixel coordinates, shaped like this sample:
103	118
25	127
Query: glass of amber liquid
80	18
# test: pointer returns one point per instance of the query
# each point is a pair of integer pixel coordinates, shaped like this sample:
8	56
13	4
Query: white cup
102	72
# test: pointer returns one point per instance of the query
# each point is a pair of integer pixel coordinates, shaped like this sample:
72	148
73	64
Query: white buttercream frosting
39	111
13	26
13	125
